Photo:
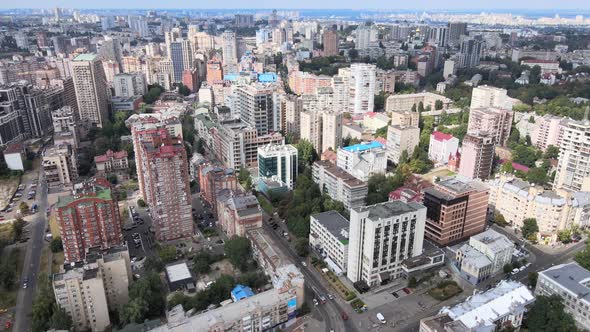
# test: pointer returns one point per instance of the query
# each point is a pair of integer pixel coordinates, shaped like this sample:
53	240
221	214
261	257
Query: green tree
202	262
56	245
306	153
547	314
500	220
552	152
507	268
381	132
438	105
507	167
529	227
167	253
134	311
412	282
17	229
537	175
533	276
200	146
565	236
24	208
60	320
239	251
583	257
302	247
141	203
379	101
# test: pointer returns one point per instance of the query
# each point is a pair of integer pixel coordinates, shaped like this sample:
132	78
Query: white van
381	318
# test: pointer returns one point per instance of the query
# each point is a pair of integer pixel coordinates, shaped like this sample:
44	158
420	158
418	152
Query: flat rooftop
572	277
334	222
363	147
178	271
389	209
85	57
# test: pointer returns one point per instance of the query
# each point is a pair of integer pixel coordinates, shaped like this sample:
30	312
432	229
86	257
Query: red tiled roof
14	148
440	136
381	140
110	154
516	166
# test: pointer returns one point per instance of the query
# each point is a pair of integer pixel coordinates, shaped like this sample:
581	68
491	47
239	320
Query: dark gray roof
390	209
572	277
334	222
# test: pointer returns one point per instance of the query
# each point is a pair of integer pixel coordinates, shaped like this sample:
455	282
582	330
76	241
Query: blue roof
363	147
241	292
267	77
231	77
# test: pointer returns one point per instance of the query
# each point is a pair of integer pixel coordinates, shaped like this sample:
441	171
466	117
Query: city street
36	228
332	310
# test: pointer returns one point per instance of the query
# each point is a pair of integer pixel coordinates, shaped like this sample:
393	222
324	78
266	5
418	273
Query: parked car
344	316
315	302
515	271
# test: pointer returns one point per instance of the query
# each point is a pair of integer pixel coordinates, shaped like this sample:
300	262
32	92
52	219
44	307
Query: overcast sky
307	4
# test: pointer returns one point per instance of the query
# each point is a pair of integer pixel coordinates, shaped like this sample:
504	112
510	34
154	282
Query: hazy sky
308	4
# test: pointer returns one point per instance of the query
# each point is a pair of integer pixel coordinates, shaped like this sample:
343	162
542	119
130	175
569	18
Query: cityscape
323	167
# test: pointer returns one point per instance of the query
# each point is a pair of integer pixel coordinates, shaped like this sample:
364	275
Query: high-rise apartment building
490	96
311	128
254	106
331	130
381	237
190	79
213	179
91	89
88	218
365	34
330	38
400	139
129	84
471	51
64	126
456	30
278	162
494	121
548	131
291	107
181	54
361	91
457	209
477	156
87	291
229	48
139	26
236	144
214	71
167	189
244	20
573	167
439	36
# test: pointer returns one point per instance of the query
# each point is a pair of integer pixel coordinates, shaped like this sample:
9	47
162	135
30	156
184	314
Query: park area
445	290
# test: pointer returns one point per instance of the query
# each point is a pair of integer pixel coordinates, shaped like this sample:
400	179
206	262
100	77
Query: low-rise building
237	213
363	160
485	255
212	179
179	277
404	102
339	184
441	147
113	163
14	155
329	235
503	305
60	165
570	283
554	211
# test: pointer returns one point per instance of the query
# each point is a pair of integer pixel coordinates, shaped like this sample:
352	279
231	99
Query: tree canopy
529	228
547	314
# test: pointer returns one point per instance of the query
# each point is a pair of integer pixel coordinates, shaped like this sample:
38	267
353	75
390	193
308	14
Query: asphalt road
331	310
36	228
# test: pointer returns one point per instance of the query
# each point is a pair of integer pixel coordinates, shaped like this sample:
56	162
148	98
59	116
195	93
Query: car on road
344	316
330	296
381	318
304	263
135	236
522	268
407	290
395	294
25	282
315	302
515	271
